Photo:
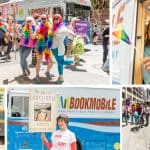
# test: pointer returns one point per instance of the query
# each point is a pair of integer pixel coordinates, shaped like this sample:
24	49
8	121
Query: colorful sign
89	103
123	40
81	27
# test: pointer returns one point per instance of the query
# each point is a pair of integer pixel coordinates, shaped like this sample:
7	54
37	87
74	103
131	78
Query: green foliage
100	4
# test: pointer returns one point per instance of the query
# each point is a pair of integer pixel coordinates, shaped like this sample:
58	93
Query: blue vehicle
93	112
2	119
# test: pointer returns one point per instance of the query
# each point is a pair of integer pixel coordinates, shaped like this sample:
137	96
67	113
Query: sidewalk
135	140
88	73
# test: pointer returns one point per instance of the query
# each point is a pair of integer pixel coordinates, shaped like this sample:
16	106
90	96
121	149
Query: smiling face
62	124
43	19
56	20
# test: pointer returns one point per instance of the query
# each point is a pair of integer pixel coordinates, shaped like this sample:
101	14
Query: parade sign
81	27
41	11
42	110
8	9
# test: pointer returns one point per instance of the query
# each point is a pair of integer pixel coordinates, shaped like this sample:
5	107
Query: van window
19	106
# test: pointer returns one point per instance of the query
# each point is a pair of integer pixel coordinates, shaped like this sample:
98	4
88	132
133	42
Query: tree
100	12
100	4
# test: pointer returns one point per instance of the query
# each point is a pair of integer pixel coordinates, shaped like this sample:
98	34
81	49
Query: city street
89	72
135	140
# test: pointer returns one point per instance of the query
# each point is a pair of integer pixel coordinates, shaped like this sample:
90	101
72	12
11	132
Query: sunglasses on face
56	18
43	18
29	21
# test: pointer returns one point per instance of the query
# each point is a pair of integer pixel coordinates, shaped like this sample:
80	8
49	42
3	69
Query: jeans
105	51
24	53
9	47
60	61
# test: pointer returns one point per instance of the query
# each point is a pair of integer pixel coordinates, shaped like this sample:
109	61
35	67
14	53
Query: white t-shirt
61	140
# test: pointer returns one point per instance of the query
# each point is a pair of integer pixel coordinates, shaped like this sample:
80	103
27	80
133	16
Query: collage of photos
74	74
54	42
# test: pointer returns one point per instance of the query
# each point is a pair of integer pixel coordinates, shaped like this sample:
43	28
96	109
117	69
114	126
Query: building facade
134	94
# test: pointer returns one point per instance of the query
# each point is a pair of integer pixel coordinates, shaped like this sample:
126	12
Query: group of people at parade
45	38
135	113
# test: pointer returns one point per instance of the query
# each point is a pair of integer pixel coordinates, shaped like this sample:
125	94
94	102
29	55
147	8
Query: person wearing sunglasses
27	43
41	48
62	139
57	35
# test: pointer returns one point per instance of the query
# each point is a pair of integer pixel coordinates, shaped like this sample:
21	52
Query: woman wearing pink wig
55	42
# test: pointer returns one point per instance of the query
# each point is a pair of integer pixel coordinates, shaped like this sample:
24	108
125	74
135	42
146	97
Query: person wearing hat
62	139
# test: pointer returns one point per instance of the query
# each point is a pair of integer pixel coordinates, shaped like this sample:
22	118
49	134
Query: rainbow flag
120	34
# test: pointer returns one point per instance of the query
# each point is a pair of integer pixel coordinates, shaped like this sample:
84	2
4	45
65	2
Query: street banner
42	110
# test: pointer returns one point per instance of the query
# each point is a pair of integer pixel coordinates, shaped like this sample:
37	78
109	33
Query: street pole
14	28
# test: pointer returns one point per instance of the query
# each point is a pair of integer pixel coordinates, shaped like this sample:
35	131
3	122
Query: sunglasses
43	18
28	21
56	18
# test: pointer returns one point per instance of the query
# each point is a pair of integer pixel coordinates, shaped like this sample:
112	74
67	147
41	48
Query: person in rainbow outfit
41	47
56	36
3	33
27	42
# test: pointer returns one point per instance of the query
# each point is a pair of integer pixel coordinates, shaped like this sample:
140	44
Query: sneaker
48	75
60	80
8	57
24	74
37	78
27	72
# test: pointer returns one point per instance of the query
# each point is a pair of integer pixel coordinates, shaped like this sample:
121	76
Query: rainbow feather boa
42	34
26	34
52	32
2	28
42	37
